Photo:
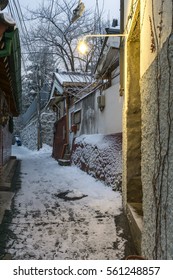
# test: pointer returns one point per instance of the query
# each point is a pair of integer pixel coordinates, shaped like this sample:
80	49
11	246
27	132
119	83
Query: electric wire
51	10
13	14
22	21
16	11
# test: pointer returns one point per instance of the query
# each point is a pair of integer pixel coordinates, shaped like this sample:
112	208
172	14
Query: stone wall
29	133
48	119
100	156
105	121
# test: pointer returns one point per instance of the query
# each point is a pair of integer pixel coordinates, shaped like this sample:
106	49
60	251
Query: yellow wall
153	17
156	96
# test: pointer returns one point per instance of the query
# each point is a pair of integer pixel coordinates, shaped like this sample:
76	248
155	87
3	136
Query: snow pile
75	194
100	156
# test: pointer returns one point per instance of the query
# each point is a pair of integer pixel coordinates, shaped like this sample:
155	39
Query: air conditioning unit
101	102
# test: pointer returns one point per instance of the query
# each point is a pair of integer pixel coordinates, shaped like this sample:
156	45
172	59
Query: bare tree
54	29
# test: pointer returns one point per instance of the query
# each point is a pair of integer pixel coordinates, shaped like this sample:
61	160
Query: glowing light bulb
82	47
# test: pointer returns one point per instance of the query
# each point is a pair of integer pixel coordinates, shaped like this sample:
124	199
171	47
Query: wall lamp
82	45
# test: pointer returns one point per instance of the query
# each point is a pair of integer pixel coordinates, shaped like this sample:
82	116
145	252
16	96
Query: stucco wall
127	8
157	155
156	90
93	120
110	119
156	24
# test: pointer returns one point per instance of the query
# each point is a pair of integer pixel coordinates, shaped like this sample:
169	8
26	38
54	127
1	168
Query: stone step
5	186
64	162
135	217
67	156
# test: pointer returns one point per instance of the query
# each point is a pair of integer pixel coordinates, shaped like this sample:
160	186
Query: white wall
93	120
110	119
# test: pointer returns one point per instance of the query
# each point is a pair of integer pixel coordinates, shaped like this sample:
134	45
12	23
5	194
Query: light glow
82	47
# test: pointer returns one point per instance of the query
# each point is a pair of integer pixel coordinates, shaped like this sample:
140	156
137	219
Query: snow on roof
72	77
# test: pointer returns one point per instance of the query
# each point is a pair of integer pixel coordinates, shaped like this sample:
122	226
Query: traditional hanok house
10	85
63	92
147	70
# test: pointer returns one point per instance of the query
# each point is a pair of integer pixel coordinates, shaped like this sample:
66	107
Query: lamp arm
105	35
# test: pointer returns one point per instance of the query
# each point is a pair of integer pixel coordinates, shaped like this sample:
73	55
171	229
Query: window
72	118
77	117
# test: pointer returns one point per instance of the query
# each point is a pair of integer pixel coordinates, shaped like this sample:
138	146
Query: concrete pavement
43	224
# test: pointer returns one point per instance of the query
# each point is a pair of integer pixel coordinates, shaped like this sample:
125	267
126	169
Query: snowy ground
62	212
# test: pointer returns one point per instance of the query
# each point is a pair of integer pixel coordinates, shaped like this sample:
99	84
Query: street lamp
83	46
78	11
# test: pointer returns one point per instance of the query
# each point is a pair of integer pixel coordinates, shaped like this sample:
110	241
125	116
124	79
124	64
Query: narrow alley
63	213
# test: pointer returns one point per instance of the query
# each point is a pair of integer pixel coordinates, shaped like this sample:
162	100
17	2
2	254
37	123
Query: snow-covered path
62	213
